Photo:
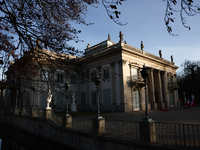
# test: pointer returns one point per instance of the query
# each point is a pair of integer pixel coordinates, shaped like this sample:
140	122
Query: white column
164	88
151	90
160	96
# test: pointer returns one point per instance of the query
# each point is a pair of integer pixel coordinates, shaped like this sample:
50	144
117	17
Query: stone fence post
147	131
48	113
67	121
33	112
99	125
16	111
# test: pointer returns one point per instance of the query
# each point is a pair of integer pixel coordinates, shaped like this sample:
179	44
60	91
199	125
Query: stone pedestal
33	112
73	107
16	111
48	113
99	125
67	121
147	131
23	111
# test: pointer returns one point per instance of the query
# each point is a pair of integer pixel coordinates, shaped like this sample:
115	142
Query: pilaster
112	64
88	89
121	85
100	86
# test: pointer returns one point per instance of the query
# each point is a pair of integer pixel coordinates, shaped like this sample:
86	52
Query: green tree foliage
189	79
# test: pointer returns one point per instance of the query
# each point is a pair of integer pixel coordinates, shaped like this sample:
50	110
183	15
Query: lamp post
67	85
34	88
144	72
97	82
16	99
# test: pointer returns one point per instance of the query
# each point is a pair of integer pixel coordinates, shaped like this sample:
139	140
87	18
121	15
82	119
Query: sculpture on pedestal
49	98
73	105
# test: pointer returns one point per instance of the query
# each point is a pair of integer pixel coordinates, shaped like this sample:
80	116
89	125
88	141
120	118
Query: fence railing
115	128
122	129
58	120
174	134
82	124
178	134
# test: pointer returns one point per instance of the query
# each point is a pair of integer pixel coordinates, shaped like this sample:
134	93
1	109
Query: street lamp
34	88
144	72
16	99
67	85
97	82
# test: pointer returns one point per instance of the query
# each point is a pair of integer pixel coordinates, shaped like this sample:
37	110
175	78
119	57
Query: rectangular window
93	74
83	99
60	101
134	73
94	98
106	74
82	79
59	77
107	97
170	80
43	100
73	79
44	76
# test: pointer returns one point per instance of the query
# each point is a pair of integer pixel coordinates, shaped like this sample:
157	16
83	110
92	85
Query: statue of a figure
88	46
73	98
172	58
142	46
121	37
109	37
49	98
160	53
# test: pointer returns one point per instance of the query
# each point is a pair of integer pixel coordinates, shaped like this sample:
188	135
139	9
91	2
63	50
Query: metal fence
122	129
115	128
187	135
174	134
82	124
58	120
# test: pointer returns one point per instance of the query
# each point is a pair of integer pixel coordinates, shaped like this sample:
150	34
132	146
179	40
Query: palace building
122	88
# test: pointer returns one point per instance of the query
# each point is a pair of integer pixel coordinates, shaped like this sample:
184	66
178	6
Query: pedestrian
180	102
185	101
192	101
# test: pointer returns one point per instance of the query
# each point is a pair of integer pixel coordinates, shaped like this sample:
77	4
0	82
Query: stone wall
44	129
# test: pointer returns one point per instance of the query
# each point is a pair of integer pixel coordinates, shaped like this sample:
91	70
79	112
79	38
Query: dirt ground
173	115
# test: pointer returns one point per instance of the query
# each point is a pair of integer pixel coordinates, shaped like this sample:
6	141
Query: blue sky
145	20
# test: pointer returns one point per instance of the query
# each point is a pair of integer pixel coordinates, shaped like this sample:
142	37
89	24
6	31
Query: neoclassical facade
122	87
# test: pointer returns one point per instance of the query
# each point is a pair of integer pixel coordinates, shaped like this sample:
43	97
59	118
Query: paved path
174	115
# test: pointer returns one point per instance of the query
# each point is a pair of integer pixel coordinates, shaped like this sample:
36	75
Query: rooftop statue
121	36
160	53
